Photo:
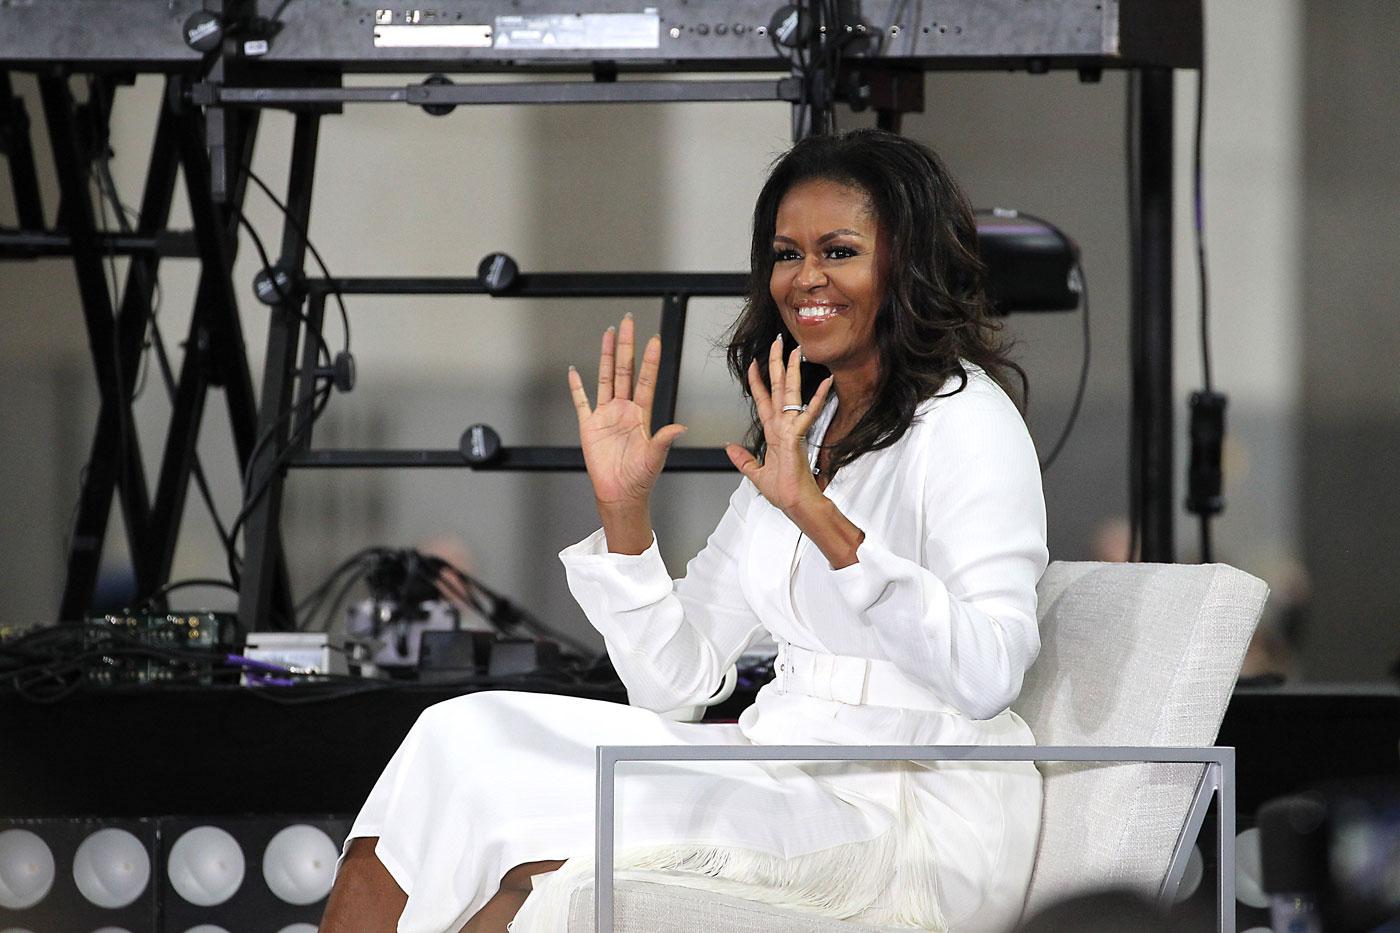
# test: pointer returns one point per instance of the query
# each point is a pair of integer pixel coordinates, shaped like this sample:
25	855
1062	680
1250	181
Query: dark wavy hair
934	315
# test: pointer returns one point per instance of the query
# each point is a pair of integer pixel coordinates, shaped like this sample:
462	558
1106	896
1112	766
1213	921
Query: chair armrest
1218	780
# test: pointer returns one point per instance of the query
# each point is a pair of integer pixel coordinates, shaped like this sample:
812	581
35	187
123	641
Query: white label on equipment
432	37
579	31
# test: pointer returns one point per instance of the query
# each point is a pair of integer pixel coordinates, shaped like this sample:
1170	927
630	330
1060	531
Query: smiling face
826	278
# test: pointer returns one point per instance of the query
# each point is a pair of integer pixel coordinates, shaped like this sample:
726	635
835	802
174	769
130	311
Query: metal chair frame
1217	781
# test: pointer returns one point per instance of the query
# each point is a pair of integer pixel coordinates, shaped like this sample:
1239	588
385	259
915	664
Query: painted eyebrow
825	236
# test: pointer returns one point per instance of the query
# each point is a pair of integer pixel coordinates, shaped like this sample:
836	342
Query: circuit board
120	649
167	635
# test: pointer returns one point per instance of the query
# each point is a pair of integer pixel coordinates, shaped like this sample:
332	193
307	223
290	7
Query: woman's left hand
784	476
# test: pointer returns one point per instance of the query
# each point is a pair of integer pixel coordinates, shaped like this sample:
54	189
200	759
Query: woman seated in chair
888	532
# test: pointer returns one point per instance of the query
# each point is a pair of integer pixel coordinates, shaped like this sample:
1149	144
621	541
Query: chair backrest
1131	654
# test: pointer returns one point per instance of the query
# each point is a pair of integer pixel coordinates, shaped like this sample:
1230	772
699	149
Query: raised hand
784	476
623	456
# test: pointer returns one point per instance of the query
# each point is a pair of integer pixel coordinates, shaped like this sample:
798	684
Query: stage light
1191	877
1248	871
299	864
175	874
111	868
206	867
26	869
96	875
290	866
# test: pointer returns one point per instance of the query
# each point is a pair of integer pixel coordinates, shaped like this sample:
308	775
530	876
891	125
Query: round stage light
1249	883
299	864
206	867
111	868
298	928
26	869
206	928
1191	877
15	930
112	930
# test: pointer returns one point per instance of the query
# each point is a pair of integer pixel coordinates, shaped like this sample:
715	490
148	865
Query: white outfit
924	640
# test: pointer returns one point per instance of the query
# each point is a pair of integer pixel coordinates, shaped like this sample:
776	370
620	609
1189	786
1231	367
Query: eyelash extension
783	255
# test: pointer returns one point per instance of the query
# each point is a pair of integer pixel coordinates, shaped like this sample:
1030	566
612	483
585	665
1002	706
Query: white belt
845	679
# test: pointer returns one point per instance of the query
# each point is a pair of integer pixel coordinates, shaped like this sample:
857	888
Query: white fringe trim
890	880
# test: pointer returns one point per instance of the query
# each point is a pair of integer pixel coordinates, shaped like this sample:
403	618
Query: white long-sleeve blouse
941	604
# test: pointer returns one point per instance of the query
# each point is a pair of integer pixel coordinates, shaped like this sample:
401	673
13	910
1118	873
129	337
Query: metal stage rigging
225	62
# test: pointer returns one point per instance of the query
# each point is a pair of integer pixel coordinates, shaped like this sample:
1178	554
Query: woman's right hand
622	455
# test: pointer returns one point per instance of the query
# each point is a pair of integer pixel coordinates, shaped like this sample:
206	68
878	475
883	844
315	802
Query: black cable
1198	192
310	247
73	653
333	607
312	601
154	599
318	403
502	606
284	298
126	218
833	46
1079	278
126	428
201	481
1198	197
143	374
301	696
101	173
1134	442
107	183
497	609
794	60
317	400
104	228
77	652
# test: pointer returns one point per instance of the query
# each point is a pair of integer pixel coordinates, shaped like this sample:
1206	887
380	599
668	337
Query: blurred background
1302	124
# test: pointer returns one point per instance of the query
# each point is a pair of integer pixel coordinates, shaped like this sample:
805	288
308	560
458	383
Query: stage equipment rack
230	60
215	355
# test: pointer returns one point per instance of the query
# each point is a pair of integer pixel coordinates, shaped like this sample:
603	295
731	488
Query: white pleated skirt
492	780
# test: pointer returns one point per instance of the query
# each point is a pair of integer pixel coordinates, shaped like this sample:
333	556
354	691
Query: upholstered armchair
1136	667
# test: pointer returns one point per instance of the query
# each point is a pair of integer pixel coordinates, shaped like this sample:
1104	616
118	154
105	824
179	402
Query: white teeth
816	312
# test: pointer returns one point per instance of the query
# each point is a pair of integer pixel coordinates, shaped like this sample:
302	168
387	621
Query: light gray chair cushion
1131	654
